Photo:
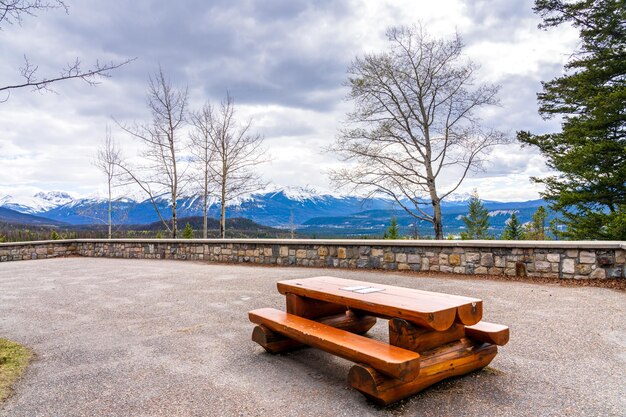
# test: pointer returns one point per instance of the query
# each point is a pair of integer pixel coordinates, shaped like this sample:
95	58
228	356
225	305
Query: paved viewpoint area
144	337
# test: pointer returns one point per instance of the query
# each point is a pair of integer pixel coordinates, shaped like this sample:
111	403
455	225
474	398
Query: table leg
443	354
454	359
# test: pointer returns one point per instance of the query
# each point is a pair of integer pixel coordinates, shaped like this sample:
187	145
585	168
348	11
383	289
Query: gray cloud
283	60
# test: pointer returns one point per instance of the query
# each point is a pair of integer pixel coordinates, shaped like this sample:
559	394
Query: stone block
480	270
389	257
443	259
377	252
553	257
486	259
455	259
605	260
614	273
472	257
365	250
583	269
496	271
598	273
543	266
401	257
459	270
568	266
322	251
301	253
362	263
404	267
572	253
341	253
414	259
445	268
586	257
620	257
425	264
499	261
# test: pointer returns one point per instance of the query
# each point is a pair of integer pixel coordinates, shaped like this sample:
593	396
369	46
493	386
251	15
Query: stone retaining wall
578	260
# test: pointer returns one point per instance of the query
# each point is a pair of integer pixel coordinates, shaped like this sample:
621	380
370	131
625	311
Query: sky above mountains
283	61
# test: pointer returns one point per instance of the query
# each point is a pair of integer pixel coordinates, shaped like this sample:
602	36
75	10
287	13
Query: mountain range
303	210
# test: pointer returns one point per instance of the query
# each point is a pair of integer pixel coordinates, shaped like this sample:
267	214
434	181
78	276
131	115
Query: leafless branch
227	153
162	143
414	120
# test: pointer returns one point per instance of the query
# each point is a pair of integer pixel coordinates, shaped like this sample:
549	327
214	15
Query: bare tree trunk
223	212
110	209
437	223
204	211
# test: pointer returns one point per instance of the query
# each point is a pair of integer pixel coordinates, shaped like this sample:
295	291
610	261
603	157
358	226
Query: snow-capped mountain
277	208
299	208
36	204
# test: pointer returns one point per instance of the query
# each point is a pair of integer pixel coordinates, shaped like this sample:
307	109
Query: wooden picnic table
432	336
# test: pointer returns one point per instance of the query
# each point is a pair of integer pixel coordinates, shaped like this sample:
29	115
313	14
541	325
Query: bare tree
235	153
108	160
202	146
162	140
13	11
414	122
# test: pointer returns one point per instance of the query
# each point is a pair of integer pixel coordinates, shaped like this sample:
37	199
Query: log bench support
453	359
443	354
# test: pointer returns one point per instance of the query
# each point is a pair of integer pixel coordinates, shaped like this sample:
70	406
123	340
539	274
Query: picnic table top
430	309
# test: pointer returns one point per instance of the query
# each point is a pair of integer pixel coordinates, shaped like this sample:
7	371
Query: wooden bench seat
277	343
390	360
488	333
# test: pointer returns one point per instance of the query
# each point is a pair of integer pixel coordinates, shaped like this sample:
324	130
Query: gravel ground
143	337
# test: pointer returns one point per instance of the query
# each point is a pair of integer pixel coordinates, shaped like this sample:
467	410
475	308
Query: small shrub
188	232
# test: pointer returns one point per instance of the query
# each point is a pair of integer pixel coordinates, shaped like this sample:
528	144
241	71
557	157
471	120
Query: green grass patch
14	359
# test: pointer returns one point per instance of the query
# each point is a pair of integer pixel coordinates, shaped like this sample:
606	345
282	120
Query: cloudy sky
284	61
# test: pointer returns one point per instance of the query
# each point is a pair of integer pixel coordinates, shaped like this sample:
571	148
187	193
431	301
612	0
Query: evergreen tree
513	230
393	231
477	220
555	227
188	232
536	230
589	153
54	235
159	235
